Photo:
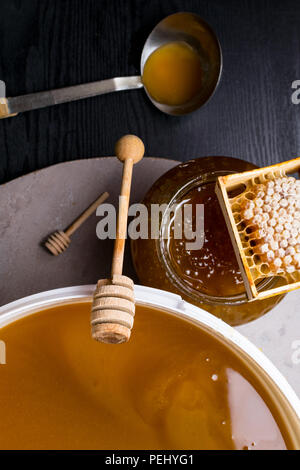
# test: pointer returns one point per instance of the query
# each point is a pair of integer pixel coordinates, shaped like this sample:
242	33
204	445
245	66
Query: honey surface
172	74
172	386
213	269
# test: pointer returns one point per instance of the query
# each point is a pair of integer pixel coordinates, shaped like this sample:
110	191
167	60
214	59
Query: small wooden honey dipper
113	306
60	240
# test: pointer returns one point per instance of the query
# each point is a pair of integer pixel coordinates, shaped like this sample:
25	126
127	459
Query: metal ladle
186	27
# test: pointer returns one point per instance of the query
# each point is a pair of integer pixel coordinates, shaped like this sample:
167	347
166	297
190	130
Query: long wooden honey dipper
113	306
60	240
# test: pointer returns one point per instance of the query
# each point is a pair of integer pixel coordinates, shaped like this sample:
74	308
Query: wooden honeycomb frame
252	271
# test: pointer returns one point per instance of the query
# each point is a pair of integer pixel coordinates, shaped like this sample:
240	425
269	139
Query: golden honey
173	386
213	269
173	74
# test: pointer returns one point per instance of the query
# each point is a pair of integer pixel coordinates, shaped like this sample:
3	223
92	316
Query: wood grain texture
52	43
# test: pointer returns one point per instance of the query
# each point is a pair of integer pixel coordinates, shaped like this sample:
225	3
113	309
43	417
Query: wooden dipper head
113	310
113	306
58	242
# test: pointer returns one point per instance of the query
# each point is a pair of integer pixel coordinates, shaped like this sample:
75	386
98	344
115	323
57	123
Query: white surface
276	333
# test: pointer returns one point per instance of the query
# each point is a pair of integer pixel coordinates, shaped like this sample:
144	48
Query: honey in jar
209	277
213	269
173	74
172	386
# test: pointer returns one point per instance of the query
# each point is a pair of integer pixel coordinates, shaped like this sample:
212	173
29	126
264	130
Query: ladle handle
129	149
12	106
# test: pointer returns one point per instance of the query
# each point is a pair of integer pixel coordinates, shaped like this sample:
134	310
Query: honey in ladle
173	74
172	386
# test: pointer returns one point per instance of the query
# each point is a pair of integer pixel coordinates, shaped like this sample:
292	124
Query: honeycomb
267	217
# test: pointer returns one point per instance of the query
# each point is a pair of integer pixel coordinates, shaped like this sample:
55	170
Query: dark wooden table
47	44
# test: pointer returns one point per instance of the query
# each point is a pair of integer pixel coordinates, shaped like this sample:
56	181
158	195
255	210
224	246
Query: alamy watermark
296	354
295	97
185	221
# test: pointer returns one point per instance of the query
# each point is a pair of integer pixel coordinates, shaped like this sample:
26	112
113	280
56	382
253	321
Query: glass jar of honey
208	277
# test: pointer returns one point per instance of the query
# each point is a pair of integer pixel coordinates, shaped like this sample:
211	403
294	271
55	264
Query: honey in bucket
184	390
